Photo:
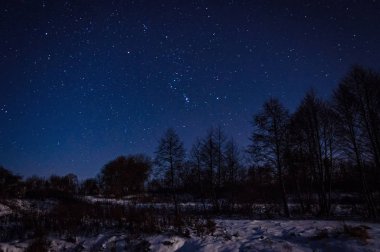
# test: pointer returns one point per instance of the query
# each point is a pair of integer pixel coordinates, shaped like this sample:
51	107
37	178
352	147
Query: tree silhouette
125	175
315	127
269	140
9	183
170	156
355	129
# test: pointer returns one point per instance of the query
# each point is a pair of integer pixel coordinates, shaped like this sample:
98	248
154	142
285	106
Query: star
122	71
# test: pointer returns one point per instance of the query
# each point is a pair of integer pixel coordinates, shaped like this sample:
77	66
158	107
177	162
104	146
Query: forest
320	161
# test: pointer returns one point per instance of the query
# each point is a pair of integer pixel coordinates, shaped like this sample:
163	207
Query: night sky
82	82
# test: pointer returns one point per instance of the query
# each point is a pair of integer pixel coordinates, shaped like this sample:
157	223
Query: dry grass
321	234
358	232
40	244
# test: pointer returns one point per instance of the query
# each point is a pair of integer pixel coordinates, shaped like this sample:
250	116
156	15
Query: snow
17	205
156	205
231	235
162	243
247	235
260	210
13	247
4	210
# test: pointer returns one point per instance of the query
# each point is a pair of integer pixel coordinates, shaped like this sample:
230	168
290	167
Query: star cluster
85	81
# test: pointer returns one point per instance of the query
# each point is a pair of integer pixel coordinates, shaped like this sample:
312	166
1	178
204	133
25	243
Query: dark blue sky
82	82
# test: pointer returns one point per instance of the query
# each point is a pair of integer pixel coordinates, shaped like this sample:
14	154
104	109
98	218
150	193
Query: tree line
309	157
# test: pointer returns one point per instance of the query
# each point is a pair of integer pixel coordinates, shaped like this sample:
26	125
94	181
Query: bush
205	227
125	175
40	244
321	234
358	232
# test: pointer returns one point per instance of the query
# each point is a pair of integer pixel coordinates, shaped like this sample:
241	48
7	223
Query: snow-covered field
258	209
157	205
229	235
232	235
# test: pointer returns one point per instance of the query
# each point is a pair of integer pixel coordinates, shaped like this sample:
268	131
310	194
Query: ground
235	235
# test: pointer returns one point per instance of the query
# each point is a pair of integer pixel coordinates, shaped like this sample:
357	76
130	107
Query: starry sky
82	81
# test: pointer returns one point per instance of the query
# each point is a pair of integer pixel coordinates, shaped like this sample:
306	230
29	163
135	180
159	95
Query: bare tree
220	140
196	161
363	86
232	172
315	125
170	156
233	164
350	133
269	140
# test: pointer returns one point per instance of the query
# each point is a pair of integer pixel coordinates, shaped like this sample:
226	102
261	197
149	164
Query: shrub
40	244
359	232
321	234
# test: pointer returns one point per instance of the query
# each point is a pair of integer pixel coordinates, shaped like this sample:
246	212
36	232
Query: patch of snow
4	210
30	205
13	247
162	243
